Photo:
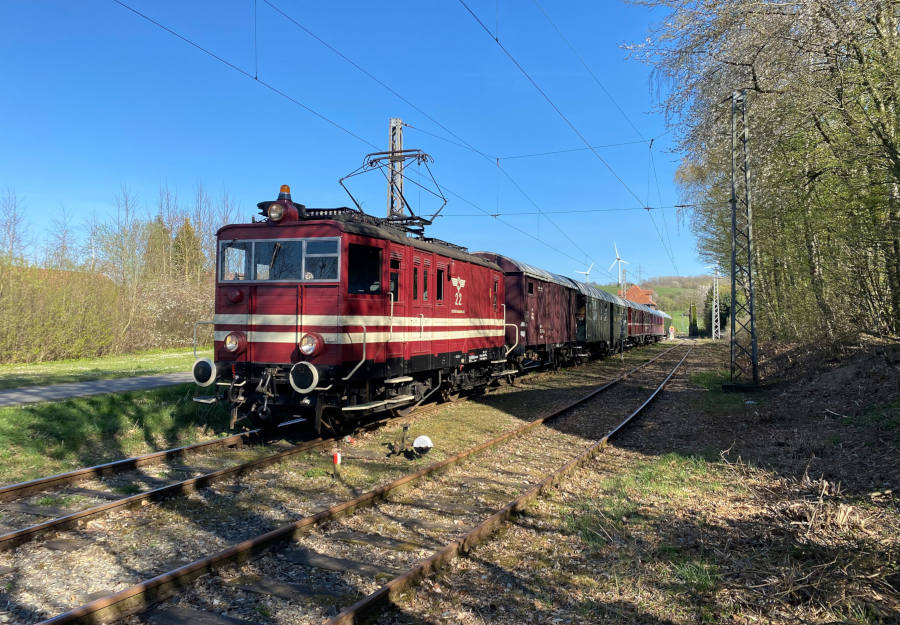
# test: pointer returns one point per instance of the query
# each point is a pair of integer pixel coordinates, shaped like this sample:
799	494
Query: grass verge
47	438
144	363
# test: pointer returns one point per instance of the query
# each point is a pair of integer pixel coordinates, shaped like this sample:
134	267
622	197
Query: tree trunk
817	282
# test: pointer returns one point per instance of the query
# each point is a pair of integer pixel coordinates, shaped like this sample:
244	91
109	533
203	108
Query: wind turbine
587	274
620	261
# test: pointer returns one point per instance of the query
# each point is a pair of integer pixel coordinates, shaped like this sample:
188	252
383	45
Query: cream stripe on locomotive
355	338
351	320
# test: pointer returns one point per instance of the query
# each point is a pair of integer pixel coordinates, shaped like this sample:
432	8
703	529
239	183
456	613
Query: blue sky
96	98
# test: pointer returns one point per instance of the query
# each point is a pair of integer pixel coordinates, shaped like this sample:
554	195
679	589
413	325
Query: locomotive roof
348	223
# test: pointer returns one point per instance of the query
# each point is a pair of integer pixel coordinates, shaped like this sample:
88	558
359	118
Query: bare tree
13	228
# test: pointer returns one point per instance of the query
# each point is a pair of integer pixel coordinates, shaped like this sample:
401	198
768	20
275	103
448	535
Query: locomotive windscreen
284	260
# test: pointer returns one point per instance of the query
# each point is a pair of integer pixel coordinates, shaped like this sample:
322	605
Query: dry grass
707	512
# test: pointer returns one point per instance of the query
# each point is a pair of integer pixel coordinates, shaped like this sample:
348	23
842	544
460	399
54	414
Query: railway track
536	448
12	492
117	502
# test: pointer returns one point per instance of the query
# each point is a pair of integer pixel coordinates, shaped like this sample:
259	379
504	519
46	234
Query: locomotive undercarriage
552	355
263	394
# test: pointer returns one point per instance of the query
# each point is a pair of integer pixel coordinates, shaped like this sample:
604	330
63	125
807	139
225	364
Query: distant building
640	296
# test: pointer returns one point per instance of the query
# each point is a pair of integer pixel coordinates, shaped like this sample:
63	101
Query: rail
365	607
139	596
23	489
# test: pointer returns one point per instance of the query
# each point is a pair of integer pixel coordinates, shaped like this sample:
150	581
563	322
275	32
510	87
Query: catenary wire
333	123
555	152
550	101
323	117
565	118
659	199
244	72
667	248
589	70
463	142
666	244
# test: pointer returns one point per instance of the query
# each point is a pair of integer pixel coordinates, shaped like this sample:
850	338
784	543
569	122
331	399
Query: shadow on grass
39	439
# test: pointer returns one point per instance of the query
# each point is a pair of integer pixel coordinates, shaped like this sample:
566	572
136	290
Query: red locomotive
329	315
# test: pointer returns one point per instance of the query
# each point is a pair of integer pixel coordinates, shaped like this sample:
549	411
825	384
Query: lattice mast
744	353
395	170
716	319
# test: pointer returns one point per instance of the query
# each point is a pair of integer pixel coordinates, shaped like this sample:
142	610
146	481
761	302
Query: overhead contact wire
244	72
665	225
550	101
463	142
589	70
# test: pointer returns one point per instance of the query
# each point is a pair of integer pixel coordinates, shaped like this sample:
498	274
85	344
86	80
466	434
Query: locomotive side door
531	304
394	330
420	307
440	294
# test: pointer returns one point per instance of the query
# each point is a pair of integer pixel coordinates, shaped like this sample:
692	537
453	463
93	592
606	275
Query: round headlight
234	341
310	344
276	211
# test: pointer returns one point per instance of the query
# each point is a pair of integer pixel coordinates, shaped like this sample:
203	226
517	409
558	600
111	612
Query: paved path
55	392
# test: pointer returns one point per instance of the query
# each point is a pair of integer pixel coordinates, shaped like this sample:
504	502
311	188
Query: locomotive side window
416	282
277	260
395	278
235	263
321	260
363	269
496	289
440	285
425	284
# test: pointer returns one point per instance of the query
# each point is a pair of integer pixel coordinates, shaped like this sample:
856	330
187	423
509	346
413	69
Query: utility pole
395	176
744	353
716	320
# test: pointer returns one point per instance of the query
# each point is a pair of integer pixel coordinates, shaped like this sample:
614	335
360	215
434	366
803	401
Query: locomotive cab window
321	259
277	260
235	260
363	269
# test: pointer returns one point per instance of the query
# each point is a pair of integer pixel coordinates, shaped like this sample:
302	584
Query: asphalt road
55	392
